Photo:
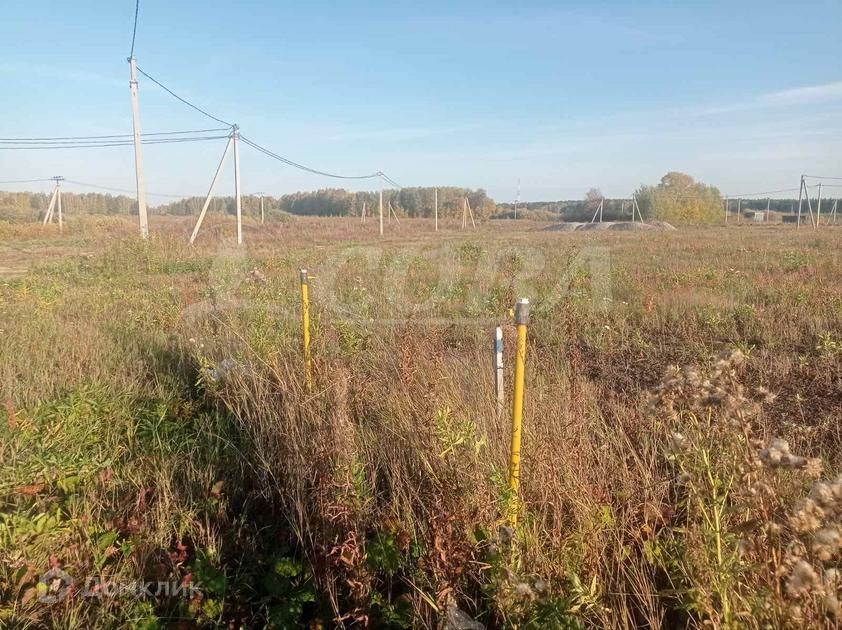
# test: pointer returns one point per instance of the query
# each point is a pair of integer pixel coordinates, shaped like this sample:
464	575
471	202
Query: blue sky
563	96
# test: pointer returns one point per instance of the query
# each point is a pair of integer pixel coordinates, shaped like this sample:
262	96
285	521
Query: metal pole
58	190
236	136
498	369
138	154
210	191
305	322
522	320
818	208
381	212
800	194
437	209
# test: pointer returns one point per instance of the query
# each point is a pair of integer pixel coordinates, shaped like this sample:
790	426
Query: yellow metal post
305	320
521	319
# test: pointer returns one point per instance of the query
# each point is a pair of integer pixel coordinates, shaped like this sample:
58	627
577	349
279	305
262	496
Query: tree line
676	198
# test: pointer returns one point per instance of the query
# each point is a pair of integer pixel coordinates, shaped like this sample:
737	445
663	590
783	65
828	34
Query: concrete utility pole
236	137
262	216
437	208
210	190
381	212
48	215
818	208
138	154
59	179
800	195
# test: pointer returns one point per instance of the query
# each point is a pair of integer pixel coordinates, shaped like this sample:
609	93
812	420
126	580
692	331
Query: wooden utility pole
138	153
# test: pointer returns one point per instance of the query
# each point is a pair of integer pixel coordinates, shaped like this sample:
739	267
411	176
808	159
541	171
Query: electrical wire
24	181
183	100
113	136
97	145
134	29
820	177
308	169
764	192
126	190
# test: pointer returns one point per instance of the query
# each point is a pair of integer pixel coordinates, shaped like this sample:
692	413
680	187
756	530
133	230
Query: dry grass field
681	427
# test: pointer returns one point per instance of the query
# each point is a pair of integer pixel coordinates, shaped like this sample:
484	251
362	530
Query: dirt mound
621	226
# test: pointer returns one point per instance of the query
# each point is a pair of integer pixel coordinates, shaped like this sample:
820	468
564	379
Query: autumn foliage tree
679	198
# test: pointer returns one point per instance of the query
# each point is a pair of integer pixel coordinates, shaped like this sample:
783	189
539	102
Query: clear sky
561	95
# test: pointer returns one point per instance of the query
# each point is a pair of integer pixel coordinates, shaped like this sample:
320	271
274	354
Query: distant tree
680	199
592	199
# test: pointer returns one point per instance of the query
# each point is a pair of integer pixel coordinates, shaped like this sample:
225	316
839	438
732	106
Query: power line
820	177
126	190
112	136
24	181
389	179
764	192
302	167
134	30
153	140
97	145
262	149
183	100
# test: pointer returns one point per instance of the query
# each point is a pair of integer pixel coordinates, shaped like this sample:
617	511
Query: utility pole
262	216
362	220
210	190
818	208
48	215
138	154
59	179
726	210
437	208
517	199
381	212
800	195
236	137
768	204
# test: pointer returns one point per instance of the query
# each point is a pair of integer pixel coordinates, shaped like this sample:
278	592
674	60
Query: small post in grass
498	370
305	320
522	320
